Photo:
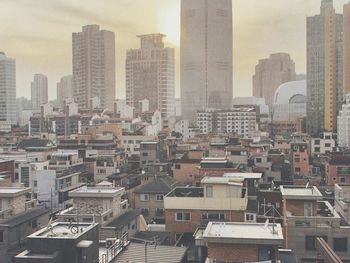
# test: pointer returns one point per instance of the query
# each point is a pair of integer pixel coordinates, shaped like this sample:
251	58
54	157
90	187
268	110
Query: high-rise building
206	56
39	91
7	90
150	75
64	90
324	69
343	125
346	49
94	66
270	73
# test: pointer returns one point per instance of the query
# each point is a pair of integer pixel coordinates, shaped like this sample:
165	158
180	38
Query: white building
7	91
182	127
39	91
150	74
94	66
252	101
124	110
64	90
325	144
206	56
289	102
241	121
343	124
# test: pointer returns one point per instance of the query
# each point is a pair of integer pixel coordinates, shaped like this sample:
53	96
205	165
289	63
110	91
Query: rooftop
298	192
244	175
96	191
63	230
186	192
13	191
244	233
223	180
135	252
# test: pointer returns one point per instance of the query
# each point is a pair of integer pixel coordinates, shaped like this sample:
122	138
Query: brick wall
233	252
186	173
296	207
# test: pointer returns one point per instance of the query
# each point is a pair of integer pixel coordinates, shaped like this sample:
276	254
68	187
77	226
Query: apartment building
337	169
325	144
241	121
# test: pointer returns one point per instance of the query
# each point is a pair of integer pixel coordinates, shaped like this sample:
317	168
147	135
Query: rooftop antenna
266	223
307	184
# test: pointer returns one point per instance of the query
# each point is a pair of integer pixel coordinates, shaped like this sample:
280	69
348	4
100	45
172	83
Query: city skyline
38	40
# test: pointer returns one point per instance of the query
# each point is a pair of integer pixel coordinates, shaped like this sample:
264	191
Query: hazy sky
37	33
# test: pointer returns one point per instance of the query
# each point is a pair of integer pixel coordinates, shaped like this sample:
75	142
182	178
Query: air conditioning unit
110	242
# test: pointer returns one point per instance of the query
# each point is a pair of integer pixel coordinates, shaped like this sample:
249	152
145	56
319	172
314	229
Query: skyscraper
324	69
64	90
150	75
270	73
7	89
39	91
346	49
94	66
206	55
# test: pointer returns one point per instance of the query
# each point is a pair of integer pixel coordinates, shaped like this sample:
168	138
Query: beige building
270	73
324	69
94	66
346	49
150	74
64	90
39	91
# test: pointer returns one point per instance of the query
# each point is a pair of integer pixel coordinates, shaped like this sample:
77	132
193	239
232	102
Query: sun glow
169	22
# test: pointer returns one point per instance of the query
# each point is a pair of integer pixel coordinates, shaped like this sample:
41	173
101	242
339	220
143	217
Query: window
249	217
258	160
327	145
310	243
144	154
177	166
209	191
340	244
1	236
317	142
213	216
317	149
343	180
183	216
159	211
297	169
35	183
297	160
160	197
307	209
144	197
144	210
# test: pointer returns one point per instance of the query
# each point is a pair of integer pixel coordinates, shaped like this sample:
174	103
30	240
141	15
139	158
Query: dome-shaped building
289	102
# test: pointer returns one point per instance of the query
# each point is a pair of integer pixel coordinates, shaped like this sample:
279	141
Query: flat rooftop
244	233
223	180
244	175
186	192
96	191
63	230
13	191
301	193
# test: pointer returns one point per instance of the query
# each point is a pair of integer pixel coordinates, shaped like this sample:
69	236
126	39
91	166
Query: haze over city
38	34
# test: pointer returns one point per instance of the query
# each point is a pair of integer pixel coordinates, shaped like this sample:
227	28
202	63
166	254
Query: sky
38	34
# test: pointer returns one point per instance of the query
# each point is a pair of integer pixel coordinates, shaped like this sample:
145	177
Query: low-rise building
219	199
306	217
240	242
19	217
337	169
325	144
62	242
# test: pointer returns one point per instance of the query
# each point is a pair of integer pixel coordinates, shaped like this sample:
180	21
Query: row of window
145	197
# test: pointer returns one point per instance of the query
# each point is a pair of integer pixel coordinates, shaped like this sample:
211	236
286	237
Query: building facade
324	69
64	90
206	56
7	89
241	121
343	125
94	66
150	74
270	73
39	91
